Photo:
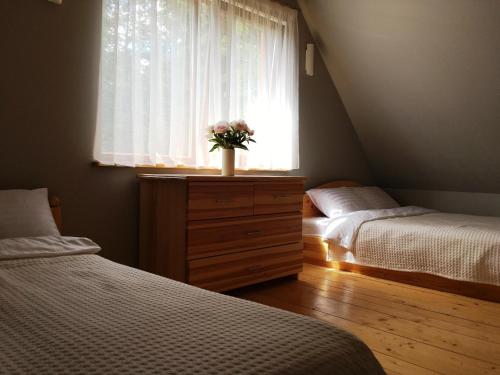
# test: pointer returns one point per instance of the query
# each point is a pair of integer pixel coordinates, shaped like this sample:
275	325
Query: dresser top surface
243	178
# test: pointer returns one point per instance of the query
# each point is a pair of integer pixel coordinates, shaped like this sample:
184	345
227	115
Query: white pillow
26	213
339	201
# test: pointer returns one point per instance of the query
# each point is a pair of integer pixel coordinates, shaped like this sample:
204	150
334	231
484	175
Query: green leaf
215	147
241	146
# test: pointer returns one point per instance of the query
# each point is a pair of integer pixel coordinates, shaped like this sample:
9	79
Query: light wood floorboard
411	330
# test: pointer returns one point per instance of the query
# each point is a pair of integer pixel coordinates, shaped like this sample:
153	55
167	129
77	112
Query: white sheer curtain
170	68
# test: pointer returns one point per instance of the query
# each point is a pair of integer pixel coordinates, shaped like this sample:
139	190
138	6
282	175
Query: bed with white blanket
414	240
65	309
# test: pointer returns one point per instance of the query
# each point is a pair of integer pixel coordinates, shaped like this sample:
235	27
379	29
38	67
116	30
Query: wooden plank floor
411	330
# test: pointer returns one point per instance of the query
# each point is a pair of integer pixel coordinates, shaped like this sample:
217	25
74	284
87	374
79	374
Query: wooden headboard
308	207
55	207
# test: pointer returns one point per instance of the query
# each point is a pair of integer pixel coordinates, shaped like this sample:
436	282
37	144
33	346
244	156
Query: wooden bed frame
316	250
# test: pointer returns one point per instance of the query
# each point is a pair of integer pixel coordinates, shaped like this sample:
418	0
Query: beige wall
48	91
421	82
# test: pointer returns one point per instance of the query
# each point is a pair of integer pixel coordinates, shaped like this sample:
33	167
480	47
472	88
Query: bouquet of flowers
230	135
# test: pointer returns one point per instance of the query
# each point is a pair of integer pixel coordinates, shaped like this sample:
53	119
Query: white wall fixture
58	2
310	59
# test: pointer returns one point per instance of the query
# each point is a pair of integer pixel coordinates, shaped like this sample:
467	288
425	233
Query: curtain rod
286	4
280	2
257	12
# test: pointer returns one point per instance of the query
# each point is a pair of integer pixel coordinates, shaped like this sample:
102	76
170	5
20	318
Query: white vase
228	162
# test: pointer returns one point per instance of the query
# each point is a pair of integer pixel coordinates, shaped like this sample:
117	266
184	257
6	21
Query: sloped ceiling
420	80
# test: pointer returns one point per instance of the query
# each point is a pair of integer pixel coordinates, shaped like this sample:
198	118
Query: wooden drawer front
273	198
234	270
210	238
213	200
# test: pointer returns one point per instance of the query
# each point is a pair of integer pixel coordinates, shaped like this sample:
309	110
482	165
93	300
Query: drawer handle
222	200
255	268
283	196
253	232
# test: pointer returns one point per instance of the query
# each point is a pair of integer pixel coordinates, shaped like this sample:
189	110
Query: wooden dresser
221	233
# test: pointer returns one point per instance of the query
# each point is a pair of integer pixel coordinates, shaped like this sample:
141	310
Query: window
171	68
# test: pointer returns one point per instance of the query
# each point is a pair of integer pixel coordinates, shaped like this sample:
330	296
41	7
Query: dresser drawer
234	270
217	237
219	200
272	198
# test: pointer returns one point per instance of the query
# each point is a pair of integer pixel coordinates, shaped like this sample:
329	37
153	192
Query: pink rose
240	125
251	132
221	127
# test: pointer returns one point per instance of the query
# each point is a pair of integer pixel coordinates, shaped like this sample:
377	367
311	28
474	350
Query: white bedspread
84	314
343	230
461	247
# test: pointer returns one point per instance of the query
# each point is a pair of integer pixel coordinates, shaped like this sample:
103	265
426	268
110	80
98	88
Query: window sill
194	171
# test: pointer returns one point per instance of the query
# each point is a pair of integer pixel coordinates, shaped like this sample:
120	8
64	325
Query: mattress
459	247
81	313
315	226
